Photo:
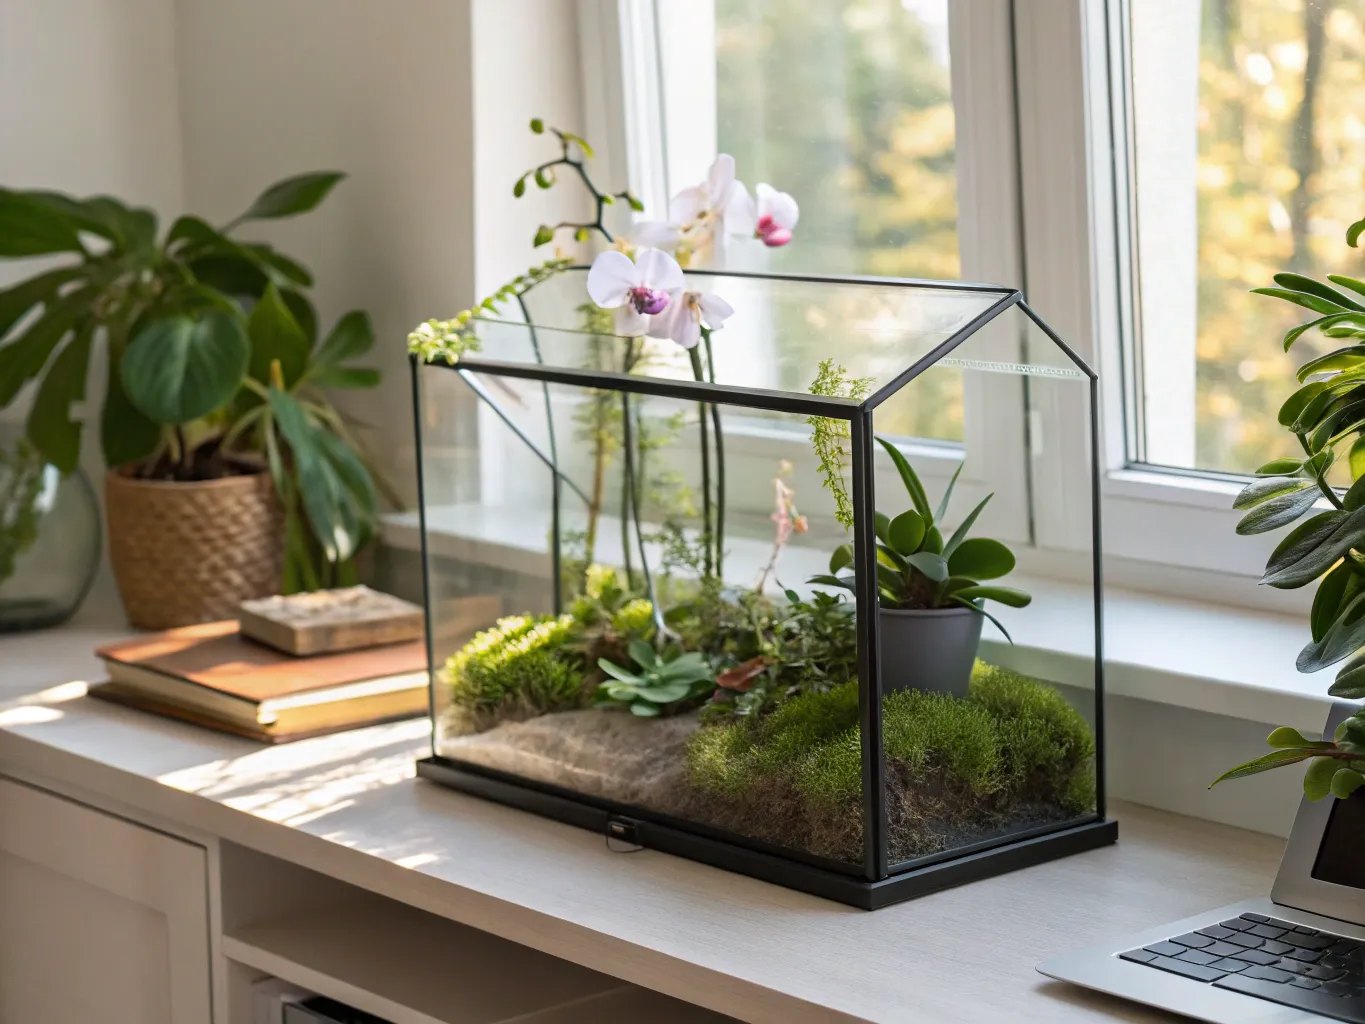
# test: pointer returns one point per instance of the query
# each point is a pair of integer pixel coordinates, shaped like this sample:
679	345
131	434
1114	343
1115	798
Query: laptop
1295	958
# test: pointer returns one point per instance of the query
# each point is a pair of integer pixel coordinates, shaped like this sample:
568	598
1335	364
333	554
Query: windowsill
1205	657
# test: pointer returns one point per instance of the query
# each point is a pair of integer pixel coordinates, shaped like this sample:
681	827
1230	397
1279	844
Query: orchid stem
708	538
720	464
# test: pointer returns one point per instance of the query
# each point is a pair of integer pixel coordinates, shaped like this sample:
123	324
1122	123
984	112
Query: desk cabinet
100	919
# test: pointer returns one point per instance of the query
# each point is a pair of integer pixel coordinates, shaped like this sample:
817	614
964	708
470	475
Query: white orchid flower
687	313
771	216
637	290
654	234
707	212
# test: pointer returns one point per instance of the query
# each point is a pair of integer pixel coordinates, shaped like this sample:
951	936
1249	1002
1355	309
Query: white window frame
1043	184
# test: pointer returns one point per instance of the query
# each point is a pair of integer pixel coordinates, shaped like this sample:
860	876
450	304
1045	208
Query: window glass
848	107
1248	140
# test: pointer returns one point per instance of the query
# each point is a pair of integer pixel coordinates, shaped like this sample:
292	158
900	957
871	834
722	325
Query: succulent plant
661	681
917	568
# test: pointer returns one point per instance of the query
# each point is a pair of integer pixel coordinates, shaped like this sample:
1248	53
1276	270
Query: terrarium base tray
657	833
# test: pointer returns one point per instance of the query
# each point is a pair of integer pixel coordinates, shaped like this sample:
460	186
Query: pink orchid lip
772	233
648	300
776	237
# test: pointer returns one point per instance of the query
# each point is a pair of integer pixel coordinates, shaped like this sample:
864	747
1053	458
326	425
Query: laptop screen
1341	857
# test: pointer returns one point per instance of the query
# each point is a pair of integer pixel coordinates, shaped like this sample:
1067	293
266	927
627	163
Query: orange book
213	670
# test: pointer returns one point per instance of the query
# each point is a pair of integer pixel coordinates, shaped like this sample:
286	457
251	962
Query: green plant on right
660	682
917	568
1326	415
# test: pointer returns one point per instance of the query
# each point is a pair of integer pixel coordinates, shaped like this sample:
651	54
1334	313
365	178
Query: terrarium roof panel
780	331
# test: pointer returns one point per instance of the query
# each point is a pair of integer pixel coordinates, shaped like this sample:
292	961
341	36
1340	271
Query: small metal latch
623	830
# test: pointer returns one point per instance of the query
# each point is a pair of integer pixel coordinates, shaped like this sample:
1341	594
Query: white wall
88	104
525	65
271	88
88	98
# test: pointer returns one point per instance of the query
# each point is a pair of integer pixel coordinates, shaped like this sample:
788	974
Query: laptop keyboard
1277	960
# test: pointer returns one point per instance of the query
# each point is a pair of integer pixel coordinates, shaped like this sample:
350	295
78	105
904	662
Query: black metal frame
879	883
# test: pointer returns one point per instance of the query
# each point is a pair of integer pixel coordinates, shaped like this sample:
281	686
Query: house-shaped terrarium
761	595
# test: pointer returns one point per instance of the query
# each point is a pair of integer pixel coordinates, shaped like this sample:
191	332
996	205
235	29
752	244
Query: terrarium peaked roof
884	331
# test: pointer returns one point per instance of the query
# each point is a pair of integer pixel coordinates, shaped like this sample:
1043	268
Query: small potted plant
231	476
931	597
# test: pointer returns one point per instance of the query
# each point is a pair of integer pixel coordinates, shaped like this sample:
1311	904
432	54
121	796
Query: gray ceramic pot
929	649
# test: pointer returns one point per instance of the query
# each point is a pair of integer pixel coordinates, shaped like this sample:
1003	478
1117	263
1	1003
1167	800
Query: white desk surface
349	806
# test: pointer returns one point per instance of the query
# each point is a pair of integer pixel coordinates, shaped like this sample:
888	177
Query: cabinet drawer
100	919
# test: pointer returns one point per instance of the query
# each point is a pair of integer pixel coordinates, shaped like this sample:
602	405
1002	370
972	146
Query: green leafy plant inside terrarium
917	567
658	682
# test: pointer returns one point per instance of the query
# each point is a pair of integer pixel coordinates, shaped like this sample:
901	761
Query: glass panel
875	330
986	739
847	105
671	674
1248	153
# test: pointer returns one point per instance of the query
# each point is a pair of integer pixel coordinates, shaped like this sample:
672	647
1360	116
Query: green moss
1043	737
924	732
1013	747
520	667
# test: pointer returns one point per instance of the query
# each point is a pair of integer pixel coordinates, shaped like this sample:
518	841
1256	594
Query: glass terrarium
769	596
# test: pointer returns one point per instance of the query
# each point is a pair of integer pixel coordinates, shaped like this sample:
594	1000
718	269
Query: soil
643	762
206	462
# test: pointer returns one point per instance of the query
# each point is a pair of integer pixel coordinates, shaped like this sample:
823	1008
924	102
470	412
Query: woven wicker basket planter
184	553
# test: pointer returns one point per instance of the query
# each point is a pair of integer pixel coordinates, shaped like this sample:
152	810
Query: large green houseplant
1326	415
217	380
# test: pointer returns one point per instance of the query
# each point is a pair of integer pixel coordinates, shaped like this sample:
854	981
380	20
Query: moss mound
518	669
1013	753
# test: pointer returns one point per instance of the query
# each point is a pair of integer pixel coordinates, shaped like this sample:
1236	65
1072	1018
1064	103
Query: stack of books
217	676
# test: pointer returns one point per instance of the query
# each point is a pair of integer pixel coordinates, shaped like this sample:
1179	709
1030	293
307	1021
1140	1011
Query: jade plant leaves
843	556
1311	548
1326	411
932	565
179	369
1317	780
1280	510
1345	782
981	558
906	532
916	569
